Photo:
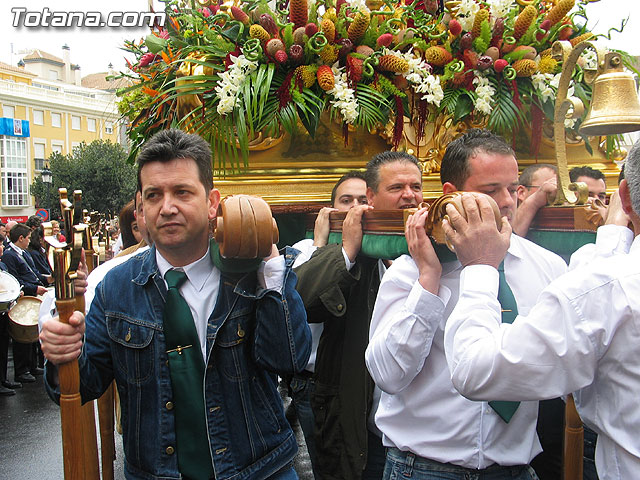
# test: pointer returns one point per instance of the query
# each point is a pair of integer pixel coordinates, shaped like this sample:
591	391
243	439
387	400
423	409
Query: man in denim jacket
251	326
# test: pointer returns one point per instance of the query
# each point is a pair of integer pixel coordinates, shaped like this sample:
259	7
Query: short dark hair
526	177
585	171
171	144
344	178
125	219
455	163
372	174
33	222
18	230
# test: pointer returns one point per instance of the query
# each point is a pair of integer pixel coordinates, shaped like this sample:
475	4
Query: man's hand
274	253
62	342
40	290
80	283
321	228
615	213
422	252
546	193
352	231
477	240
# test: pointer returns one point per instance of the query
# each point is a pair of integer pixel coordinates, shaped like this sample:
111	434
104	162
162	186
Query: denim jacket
252	335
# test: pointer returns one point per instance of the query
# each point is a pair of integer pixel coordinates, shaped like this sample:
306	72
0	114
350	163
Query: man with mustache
428	427
339	287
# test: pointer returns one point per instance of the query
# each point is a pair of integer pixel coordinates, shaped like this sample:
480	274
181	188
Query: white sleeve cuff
271	273
480	278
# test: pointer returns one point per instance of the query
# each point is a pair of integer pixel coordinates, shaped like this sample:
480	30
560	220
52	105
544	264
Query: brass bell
614	105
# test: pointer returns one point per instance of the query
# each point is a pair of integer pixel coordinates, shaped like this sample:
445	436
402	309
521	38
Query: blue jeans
589	462
301	386
403	465
285	474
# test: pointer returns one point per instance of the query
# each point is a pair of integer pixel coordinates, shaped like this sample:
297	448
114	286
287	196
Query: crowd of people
431	365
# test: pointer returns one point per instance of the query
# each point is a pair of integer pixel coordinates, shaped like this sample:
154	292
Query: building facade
45	109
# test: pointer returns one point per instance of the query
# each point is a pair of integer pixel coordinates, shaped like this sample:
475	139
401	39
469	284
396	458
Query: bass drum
23	316
9	290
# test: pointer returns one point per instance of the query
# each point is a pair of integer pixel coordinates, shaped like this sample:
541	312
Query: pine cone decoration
477	22
325	78
298	12
306	75
391	63
525	67
330	14
329	54
257	31
298	36
437	56
523	22
558	12
581	38
359	26
329	30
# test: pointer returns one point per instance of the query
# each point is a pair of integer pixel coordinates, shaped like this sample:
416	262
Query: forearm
543	355
282	341
403	326
525	214
322	278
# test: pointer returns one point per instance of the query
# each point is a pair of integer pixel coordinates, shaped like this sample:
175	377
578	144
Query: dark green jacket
344	301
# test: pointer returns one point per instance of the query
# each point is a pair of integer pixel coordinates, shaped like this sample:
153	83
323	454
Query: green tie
509	314
187	377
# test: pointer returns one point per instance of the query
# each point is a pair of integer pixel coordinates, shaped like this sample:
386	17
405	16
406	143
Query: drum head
9	287
25	312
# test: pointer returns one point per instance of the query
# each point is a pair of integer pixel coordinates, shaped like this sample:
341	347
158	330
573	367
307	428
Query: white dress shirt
420	411
201	288
306	248
582	335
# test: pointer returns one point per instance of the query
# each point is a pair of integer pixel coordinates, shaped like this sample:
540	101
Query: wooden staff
106	401
79	445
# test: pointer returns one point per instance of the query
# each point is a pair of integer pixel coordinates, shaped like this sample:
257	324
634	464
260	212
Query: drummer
427	425
7	387
21	266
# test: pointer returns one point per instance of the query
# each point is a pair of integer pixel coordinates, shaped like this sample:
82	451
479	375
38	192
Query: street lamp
47	179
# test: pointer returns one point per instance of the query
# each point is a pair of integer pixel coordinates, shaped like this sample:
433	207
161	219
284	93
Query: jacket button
170	450
340	307
169	405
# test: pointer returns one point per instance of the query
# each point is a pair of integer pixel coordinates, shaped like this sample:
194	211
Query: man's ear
370	195
521	193
214	201
625	197
449	187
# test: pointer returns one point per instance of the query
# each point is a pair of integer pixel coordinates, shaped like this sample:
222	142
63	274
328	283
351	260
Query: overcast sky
94	48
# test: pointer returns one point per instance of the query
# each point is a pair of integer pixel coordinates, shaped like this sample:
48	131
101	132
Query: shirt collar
515	246
16	248
636	244
197	272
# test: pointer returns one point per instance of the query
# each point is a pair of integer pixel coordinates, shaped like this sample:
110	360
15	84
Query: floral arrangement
250	71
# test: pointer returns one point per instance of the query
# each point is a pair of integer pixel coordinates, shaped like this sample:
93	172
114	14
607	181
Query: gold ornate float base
300	171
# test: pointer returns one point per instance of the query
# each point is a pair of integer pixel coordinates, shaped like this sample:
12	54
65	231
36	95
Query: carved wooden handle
245	227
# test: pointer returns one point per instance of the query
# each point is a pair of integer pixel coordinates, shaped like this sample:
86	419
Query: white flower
484	94
345	99
230	82
419	77
500	8
467	13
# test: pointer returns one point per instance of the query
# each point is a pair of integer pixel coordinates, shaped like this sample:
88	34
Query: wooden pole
573	442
